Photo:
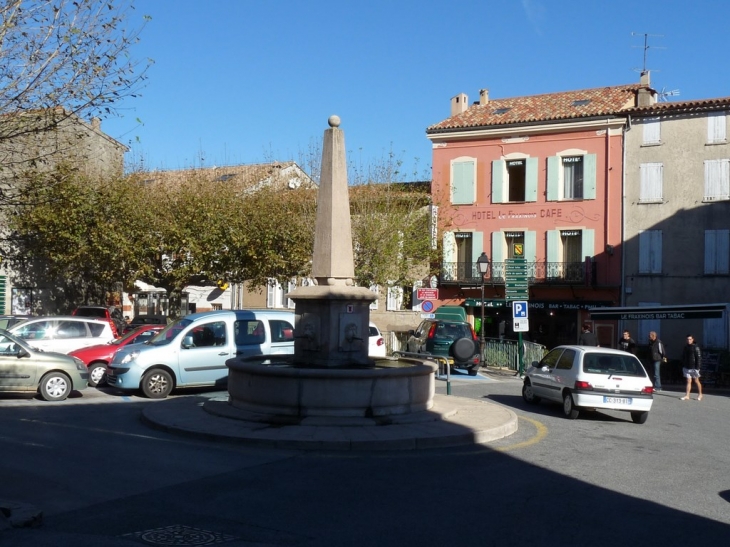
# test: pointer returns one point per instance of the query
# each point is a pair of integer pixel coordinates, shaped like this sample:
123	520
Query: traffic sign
520	325
519	309
427	306
427	294
428	316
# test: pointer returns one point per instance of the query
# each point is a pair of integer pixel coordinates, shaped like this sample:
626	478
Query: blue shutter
531	179
553	268
477	246
498	245
553	178
462	183
588	242
498	169
710	251
589	176
530	246
448	266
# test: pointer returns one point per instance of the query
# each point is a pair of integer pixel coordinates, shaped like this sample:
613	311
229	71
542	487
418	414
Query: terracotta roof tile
683	106
566	105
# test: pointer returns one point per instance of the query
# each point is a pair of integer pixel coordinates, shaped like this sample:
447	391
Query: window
248	332
566	360
395	299
651	182
464	254
573	177
376	290
652	131
463	181
717	180
650	252
716	128
515	239
217	307
274	294
571	174
567	251
717	252
514	179
715	332
281	331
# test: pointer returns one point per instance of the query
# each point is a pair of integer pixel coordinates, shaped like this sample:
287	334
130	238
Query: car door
70	335
563	375
541	375
204	361
39	334
16	373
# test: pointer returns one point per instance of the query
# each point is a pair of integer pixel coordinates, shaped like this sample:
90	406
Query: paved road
103	479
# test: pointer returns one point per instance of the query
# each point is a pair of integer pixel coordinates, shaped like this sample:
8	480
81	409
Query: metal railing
505	353
537	272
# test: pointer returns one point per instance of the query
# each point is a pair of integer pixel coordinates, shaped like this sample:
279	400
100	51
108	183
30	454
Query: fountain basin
392	387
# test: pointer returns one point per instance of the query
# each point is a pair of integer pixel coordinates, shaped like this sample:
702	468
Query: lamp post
483	264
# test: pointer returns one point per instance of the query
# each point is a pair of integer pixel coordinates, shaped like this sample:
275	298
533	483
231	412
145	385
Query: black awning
689	311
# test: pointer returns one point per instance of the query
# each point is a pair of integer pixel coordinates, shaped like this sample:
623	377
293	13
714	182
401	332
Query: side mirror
187	342
22	352
411	332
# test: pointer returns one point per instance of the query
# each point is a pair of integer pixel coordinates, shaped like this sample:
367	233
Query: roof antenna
647	46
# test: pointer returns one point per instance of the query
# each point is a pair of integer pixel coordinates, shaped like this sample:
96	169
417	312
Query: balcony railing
555	273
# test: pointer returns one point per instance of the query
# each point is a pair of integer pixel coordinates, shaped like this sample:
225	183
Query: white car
376	346
63	334
590	378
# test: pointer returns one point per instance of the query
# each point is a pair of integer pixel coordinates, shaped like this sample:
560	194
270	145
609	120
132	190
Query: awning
689	311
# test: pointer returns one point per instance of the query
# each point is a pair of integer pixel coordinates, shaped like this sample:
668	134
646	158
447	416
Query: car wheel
97	374
473	370
156	384
463	350
55	386
639	417
528	394
569	407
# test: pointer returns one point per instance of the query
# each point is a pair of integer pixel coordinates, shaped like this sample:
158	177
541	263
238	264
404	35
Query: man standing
626	343
587	338
658	356
691	360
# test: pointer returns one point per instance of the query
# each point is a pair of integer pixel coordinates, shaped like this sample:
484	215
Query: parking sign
519	309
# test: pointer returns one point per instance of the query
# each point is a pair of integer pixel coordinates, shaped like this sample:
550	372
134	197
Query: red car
99	356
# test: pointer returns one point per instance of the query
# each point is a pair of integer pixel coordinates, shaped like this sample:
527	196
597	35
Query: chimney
483	96
647	96
459	104
96	123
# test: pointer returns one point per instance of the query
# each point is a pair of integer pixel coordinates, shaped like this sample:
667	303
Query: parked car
63	333
454	340
7	321
98	357
376	347
24	369
109	313
140	320
192	351
590	378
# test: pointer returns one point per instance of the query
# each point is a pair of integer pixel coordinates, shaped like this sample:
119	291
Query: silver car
24	369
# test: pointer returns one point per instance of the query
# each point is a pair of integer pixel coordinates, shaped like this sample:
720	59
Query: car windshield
452	331
170	332
9	344
611	364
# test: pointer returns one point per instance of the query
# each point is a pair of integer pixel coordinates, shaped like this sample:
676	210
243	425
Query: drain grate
179	535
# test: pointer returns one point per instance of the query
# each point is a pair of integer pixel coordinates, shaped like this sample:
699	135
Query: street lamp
483	264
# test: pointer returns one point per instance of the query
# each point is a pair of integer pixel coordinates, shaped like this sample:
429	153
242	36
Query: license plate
617	400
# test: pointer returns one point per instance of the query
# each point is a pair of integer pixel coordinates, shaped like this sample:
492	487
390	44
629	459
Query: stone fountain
331	374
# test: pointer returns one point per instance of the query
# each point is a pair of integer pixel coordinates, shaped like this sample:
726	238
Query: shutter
530	247
271	294
462	182
710	251
655	251
289	301
652	131
531	179
651	182
498	175
553	266
716	127
477	246
553	178
498	245
588	243
449	263
723	251
375	289
589	176
717	180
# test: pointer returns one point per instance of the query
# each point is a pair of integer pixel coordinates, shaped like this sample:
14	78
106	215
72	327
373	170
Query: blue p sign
519	309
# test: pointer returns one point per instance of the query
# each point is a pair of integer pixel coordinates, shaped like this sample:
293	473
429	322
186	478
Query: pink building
539	178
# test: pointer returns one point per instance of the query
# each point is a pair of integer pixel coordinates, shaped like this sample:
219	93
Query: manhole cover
179	535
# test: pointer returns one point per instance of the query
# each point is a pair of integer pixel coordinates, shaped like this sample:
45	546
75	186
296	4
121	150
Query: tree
60	60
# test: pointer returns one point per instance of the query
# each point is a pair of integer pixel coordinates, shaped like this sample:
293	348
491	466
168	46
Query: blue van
192	351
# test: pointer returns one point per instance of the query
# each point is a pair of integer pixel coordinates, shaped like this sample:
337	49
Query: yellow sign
519	249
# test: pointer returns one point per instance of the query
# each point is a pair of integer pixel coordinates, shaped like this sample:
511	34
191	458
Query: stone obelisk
332	316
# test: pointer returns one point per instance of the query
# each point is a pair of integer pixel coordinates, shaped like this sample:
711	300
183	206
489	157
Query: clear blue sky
244	81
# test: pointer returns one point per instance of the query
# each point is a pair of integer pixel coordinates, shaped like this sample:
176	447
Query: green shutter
588	243
530	246
497	247
589	176
448	266
462	184
553	178
477	245
531	179
498	169
553	246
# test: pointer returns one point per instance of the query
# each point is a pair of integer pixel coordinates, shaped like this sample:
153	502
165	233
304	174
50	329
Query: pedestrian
658	356
691	360
626	343
587	337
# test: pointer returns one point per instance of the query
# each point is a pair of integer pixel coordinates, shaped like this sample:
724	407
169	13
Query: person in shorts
691	360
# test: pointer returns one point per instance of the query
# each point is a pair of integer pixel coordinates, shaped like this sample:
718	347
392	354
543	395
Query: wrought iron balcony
552	273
